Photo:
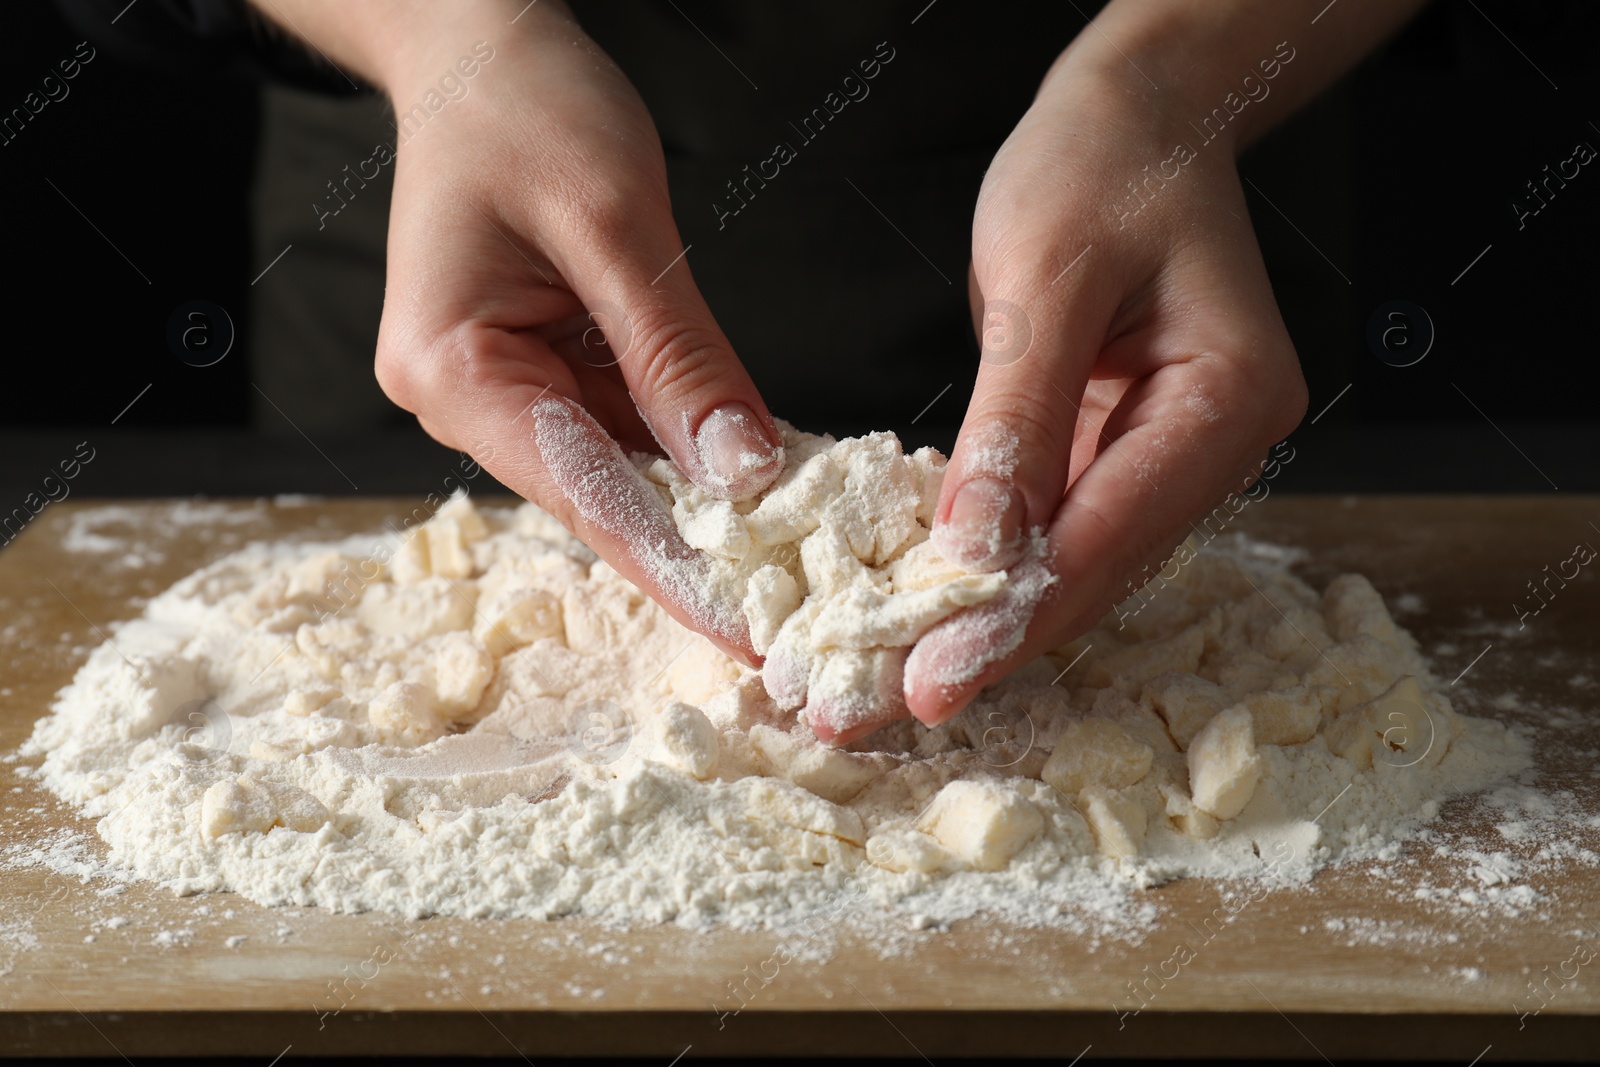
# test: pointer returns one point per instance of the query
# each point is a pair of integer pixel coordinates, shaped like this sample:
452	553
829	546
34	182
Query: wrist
434	43
1189	75
404	48
1244	64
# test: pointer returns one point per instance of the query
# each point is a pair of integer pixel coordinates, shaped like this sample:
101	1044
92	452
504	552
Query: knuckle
1269	393
606	219
612	205
670	357
1008	256
1274	394
396	376
1087	512
413	375
1236	386
1040	419
1044	440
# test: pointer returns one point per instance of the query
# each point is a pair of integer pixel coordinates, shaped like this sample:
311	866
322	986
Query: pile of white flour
479	718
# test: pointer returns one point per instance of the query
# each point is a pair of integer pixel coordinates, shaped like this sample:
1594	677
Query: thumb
690	388
1015	451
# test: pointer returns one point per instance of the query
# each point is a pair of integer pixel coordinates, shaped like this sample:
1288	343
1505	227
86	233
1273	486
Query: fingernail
983	531
738	458
935	719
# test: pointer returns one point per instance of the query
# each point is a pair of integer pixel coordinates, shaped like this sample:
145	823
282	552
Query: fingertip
835	737
932	704
824	731
951	663
838	721
739	653
941	674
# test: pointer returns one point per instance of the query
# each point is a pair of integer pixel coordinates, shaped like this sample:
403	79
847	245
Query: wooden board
1388	976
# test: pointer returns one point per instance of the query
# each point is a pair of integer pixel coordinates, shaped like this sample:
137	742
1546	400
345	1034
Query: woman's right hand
539	309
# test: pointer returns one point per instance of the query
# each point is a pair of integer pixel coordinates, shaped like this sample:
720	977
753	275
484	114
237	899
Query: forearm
1191	58
387	42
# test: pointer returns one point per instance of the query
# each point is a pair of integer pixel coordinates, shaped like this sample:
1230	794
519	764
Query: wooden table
1402	979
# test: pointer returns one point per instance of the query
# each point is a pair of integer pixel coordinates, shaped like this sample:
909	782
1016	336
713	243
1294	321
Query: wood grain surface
1352	965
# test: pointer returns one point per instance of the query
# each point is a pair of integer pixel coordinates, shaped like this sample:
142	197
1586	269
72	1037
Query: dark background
132	196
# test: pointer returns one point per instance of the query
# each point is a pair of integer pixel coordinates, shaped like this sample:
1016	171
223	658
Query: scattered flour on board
480	718
124	532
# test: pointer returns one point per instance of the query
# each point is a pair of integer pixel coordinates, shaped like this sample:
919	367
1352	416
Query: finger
1009	468
580	341
632	272
1135	500
841	713
492	386
610	501
605	398
830	730
953	661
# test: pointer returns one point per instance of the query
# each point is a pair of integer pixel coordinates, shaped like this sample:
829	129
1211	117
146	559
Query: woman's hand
1135	367
539	308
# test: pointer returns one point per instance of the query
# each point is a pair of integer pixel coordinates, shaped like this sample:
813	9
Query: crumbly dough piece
834	570
1186	815
251	805
1400	726
830	773
802	826
983	824
771	596
1223	765
1288	716
1119	821
1096	752
903	851
516	617
685	739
